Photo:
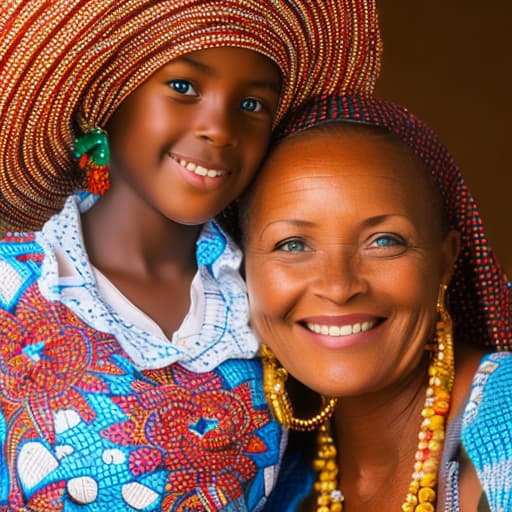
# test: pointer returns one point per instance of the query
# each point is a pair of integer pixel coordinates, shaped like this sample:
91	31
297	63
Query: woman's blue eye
293	246
387	241
183	87
387	245
251	105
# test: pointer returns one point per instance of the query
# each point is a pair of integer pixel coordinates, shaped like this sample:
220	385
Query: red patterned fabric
73	408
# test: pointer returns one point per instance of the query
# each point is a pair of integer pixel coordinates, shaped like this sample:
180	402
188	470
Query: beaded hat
66	65
480	294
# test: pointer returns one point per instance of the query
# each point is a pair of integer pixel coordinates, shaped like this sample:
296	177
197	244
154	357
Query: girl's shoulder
20	262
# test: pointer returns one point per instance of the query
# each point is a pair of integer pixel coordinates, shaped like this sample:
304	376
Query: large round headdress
62	61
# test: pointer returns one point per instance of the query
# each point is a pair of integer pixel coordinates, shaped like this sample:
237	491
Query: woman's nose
339	277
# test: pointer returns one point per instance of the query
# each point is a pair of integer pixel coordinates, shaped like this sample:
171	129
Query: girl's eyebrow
205	68
273	85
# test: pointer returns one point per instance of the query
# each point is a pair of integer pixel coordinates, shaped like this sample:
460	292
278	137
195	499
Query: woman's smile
336	326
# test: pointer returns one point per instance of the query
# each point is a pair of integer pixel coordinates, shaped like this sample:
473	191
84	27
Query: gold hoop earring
274	380
444	356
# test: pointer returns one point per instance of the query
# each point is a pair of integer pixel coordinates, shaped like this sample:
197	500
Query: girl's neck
135	239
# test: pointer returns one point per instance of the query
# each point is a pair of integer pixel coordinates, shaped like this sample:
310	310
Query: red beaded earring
93	154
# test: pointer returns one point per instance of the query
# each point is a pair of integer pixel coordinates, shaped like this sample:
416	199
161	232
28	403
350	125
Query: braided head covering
64	62
480	294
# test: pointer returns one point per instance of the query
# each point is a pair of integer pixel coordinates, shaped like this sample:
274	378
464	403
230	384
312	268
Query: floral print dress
98	414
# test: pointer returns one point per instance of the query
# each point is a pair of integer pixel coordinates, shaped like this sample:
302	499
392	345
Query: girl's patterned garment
97	414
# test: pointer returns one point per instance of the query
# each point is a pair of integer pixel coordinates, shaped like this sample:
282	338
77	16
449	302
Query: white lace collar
214	330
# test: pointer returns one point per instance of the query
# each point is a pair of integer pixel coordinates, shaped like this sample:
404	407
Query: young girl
125	372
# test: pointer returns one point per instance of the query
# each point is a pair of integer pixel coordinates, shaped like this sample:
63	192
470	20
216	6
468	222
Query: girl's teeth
340	330
199	169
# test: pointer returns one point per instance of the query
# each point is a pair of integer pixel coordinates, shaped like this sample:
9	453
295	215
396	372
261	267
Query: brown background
450	62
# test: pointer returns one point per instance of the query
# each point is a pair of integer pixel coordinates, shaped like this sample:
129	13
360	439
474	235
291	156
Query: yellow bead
323	509
411	499
438	435
436	422
325	476
407	507
327	486
428	480
426	495
323	499
434	445
318	464
331	465
414	486
336	507
425	507
430	466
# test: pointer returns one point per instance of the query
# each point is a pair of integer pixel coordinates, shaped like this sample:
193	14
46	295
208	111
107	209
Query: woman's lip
341	331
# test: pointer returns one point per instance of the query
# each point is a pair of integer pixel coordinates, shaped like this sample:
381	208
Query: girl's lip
341	331
200	168
197	175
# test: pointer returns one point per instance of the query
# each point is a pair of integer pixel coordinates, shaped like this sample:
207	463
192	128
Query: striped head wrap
480	294
68	64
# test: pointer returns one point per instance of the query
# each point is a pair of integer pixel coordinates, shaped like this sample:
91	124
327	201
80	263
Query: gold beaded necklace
421	495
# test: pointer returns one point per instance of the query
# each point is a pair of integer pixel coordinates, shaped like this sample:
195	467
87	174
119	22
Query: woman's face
344	257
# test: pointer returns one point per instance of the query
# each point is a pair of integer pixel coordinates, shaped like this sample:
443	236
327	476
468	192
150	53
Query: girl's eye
183	87
294	245
251	105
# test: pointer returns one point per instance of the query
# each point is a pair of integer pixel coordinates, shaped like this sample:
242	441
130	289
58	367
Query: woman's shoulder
487	427
491	389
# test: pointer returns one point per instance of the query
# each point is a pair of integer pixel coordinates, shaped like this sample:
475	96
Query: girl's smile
187	141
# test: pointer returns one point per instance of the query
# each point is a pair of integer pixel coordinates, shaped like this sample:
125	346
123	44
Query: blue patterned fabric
96	414
487	429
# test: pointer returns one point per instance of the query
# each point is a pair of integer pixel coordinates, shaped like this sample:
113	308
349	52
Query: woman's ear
450	250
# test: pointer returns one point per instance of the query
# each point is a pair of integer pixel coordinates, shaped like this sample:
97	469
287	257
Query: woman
371	280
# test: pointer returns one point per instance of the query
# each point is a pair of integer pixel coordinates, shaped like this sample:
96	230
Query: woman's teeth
340	330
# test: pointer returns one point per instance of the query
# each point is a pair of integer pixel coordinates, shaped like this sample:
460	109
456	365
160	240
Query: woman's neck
377	436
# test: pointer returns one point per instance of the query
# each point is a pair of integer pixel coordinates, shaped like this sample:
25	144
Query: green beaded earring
93	154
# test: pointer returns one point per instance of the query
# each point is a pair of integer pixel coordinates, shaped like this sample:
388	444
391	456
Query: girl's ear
450	250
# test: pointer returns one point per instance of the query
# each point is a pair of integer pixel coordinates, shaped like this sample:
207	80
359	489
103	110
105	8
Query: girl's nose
216	125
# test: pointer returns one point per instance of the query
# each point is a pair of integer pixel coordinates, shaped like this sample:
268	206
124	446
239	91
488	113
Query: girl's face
189	139
344	257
